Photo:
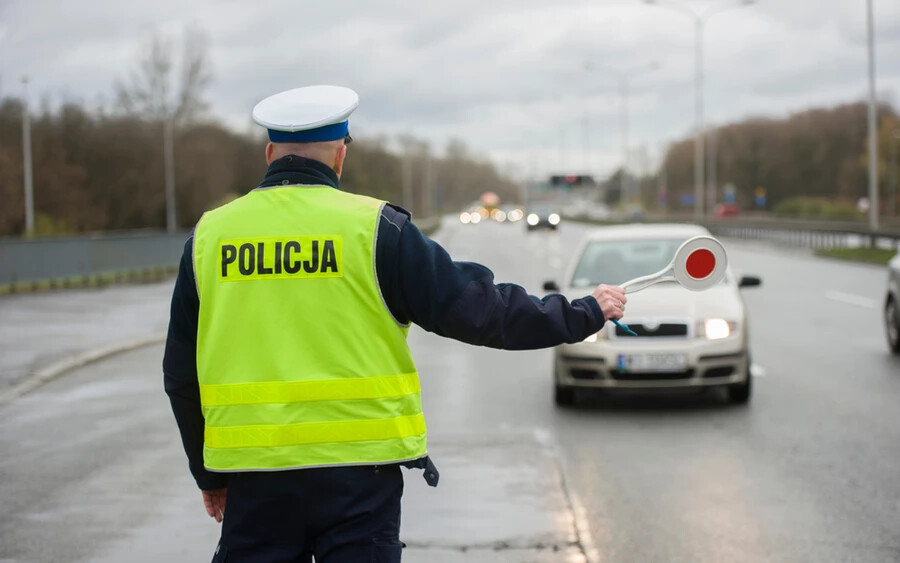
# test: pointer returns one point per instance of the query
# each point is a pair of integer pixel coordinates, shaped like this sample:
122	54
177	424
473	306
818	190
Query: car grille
664	329
723	371
630	376
584	373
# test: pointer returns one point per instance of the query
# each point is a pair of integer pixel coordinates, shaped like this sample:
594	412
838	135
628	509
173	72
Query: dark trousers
337	515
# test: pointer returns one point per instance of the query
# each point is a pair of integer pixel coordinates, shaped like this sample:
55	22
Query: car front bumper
708	364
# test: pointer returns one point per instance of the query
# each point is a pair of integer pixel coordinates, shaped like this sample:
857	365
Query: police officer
286	361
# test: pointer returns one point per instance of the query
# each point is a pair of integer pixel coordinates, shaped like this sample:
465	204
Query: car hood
666	300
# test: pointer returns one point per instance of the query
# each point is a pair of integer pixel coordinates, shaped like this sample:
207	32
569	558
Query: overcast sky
532	85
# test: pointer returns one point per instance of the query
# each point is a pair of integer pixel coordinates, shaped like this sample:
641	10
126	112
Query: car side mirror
749	281
551	286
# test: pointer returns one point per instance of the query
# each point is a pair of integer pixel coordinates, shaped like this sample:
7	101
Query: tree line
106	171
102	172
817	154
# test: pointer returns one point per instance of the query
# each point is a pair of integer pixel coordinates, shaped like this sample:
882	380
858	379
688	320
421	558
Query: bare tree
154	92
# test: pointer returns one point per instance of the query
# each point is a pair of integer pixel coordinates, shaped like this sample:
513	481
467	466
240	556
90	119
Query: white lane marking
850	299
583	531
757	370
579	523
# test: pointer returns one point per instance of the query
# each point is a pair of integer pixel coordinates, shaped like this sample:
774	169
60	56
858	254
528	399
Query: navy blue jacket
420	283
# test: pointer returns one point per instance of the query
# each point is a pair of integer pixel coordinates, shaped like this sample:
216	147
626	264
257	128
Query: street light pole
623	115
873	128
699	20
892	173
699	145
622	76
26	149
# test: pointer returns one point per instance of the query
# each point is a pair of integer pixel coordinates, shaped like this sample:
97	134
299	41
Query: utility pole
169	164
406	172
711	171
428	195
26	149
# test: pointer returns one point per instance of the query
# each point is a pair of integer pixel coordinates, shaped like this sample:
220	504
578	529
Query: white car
684	338
892	306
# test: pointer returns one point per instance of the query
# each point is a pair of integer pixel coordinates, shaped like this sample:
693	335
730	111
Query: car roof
647	231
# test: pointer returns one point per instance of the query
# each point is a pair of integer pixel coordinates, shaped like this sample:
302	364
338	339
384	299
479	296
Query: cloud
509	77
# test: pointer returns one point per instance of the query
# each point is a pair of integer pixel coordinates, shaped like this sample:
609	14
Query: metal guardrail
817	235
96	259
46	263
798	233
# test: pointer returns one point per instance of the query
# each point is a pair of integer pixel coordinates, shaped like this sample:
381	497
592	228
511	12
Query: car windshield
616	261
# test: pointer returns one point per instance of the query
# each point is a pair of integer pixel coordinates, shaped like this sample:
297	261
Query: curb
149	273
51	372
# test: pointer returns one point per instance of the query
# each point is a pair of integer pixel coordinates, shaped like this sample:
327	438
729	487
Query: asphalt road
807	472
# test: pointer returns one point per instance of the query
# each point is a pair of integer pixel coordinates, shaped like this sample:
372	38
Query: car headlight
464	218
532	219
715	329
603	334
475	218
554	219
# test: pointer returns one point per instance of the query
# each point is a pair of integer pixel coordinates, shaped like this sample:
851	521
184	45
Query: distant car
723	210
513	213
473	215
684	338
892	306
542	216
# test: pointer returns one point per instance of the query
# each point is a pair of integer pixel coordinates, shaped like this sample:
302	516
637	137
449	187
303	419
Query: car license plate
650	363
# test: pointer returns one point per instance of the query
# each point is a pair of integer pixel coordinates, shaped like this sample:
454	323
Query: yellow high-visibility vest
300	362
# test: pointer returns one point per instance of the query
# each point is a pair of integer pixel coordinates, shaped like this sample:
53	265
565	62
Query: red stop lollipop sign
699	264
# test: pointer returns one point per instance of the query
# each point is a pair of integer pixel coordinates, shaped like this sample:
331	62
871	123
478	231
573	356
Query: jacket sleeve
422	284
180	371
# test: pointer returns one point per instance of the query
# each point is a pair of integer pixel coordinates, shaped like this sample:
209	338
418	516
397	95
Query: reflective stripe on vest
299	361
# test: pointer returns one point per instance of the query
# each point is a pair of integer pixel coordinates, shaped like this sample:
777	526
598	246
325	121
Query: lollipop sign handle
624	327
642	282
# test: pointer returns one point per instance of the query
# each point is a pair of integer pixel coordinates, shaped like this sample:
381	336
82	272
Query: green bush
47	226
816	208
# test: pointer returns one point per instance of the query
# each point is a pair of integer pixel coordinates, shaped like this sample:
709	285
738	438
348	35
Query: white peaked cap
311	113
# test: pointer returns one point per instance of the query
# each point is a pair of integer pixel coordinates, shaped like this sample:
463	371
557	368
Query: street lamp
873	127
622	75
892	172
26	150
699	19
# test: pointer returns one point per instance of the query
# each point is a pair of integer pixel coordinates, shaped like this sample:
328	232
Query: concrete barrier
44	263
98	259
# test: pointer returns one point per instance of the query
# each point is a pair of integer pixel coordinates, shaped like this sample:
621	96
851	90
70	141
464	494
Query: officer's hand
214	501
611	299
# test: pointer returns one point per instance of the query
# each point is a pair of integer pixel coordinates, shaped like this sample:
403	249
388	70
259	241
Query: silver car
892	306
684	338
